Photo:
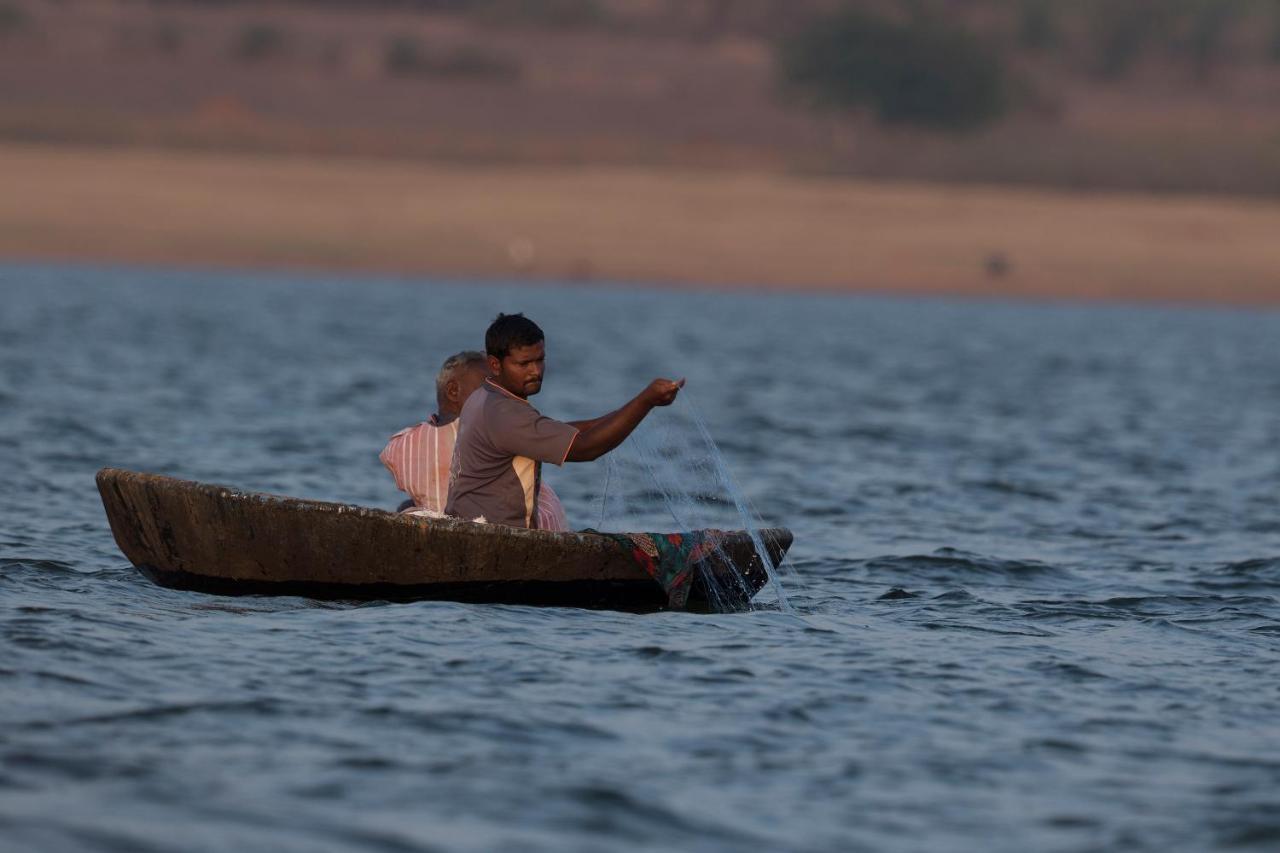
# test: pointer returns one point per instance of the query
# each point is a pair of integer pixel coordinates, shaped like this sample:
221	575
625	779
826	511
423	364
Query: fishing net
670	474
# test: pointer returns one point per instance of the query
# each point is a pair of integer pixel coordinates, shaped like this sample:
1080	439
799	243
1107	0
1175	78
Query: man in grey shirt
503	440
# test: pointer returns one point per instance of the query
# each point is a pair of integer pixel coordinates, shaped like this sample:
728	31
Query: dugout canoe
217	539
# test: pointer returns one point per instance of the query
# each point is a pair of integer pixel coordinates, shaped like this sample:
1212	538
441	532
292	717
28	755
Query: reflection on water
1037	548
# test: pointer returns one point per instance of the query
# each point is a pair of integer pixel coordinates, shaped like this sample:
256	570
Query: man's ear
452	390
495	365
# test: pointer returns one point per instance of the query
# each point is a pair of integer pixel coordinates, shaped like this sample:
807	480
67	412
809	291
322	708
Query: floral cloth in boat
670	558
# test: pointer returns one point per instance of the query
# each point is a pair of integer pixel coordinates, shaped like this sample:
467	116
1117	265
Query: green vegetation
1115	35
1122	31
1208	28
332	54
407	55
1192	31
260	41
12	18
168	38
542	13
1038	25
1273	46
919	73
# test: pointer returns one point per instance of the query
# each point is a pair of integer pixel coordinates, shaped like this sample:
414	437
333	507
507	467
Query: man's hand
662	392
600	435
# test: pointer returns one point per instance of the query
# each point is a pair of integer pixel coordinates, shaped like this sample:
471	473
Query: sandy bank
617	224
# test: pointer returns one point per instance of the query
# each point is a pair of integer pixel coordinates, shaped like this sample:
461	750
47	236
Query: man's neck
496	384
444	417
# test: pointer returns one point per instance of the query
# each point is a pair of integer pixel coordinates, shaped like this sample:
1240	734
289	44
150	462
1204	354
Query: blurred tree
259	41
168	37
407	55
919	73
1123	29
544	13
1273	49
1038	25
1209	23
12	18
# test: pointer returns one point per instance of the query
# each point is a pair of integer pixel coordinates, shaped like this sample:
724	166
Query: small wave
64	678
948	564
1017	489
1068	671
505	728
619	814
1055	745
874	434
825	510
367	762
960	595
1179	611
1261	835
982	629
37	564
77	429
1149	605
1266	567
1255	574
1171	528
69	458
1263	526
669	655
263	706
383	840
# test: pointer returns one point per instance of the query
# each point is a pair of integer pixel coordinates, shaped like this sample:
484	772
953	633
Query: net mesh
670	472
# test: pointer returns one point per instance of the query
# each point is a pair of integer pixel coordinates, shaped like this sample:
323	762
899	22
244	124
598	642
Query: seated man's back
419	458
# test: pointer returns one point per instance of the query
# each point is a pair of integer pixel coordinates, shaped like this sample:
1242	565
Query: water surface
1035	581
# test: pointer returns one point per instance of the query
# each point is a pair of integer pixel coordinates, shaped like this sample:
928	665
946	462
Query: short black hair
509	331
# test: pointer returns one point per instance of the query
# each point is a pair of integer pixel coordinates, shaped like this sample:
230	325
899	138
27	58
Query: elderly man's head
461	374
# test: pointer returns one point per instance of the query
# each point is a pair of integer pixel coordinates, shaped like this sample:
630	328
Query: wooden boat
217	539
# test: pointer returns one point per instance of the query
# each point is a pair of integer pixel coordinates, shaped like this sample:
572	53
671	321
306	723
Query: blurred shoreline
645	225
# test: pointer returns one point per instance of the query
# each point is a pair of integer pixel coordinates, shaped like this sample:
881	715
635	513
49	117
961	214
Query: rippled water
1037	557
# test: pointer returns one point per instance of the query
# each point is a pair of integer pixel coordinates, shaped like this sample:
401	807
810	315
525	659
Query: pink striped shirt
419	458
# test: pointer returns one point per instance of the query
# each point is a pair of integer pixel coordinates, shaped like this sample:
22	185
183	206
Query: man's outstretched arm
583	426
598	436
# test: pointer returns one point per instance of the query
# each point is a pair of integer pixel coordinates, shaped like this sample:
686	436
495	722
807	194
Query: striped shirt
419	458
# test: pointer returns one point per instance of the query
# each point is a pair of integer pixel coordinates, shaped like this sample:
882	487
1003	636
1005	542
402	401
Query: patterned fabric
670	558
550	511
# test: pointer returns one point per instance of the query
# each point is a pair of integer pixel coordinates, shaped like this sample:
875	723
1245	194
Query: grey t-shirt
497	460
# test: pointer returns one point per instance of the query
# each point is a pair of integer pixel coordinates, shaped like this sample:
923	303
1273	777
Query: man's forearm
603	434
583	426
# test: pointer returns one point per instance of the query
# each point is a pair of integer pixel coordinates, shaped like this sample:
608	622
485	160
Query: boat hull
220	540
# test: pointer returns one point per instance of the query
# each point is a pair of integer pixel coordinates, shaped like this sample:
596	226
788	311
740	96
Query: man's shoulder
402	433
474	405
494	404
416	428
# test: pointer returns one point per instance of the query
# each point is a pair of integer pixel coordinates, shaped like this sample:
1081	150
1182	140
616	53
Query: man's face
522	370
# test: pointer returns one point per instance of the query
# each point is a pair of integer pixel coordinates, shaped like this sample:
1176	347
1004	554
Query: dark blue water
1037	566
